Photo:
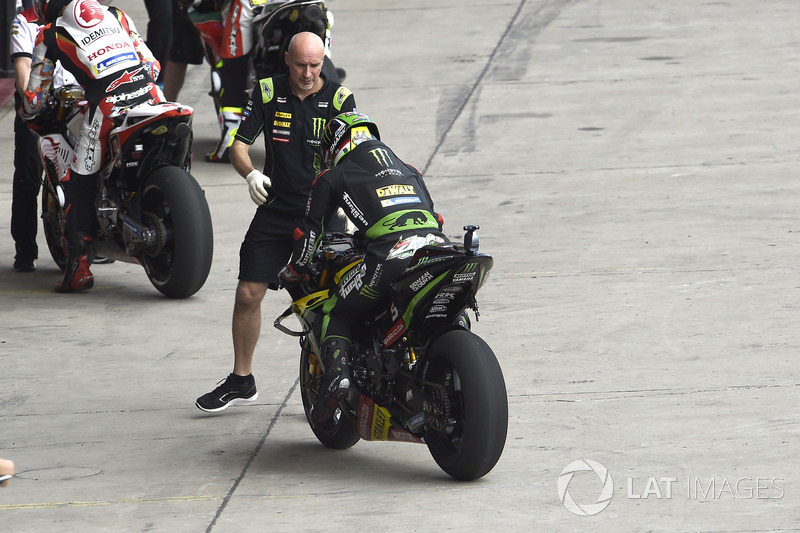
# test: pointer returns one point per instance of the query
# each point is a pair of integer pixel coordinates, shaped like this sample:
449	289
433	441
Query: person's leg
240	385
237	34
341	311
174	76
25	195
246	324
233	75
266	249
159	31
186	49
359	292
79	190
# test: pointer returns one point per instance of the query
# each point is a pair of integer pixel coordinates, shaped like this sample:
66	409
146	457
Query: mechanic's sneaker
232	390
24	264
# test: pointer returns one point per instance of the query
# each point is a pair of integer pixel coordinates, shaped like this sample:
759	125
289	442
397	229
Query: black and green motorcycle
420	374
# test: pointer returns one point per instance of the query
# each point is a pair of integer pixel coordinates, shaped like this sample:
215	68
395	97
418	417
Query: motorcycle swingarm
420	404
136	236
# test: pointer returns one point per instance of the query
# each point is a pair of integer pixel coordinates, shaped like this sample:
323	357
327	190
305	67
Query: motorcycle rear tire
340	433
477	403
181	266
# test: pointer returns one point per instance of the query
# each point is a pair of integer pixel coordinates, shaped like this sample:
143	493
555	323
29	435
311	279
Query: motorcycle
149	209
419	374
275	23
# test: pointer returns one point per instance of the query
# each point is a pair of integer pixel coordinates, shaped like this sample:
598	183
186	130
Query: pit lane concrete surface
632	164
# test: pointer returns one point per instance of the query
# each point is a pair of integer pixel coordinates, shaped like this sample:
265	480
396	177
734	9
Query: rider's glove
290	276
154	68
258	184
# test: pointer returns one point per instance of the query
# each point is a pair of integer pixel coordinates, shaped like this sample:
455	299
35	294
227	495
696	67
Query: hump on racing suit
94	42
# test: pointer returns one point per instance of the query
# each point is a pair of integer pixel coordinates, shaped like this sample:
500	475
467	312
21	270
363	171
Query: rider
100	46
236	42
388	202
234	49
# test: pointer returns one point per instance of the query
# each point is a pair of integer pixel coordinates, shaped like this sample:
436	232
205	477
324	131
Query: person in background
158	37
186	49
236	42
117	70
27	164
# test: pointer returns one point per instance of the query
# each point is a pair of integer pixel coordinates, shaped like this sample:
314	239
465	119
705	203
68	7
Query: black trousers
25	190
159	29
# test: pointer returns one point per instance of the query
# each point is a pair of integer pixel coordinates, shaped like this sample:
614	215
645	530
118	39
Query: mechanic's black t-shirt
292	132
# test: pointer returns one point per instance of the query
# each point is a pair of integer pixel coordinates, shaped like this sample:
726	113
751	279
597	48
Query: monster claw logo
88	13
382	156
319	126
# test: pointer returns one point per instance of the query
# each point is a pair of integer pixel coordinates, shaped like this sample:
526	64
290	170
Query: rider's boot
77	276
336	383
229	120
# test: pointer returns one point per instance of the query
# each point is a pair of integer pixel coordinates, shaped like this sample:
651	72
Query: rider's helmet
343	133
49	10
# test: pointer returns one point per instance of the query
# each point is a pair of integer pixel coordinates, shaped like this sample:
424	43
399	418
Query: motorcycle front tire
340	432
54	220
176	206
476	403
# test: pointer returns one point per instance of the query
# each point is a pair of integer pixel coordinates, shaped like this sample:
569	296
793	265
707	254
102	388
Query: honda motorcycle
149	209
275	23
419	374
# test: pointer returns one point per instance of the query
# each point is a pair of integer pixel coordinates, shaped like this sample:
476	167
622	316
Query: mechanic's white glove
258	184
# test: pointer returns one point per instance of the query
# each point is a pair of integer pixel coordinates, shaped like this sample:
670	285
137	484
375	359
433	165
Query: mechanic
291	110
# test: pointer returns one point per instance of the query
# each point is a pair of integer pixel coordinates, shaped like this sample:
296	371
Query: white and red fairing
59	152
140	116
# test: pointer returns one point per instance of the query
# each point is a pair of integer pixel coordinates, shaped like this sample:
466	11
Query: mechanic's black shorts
187	47
267	246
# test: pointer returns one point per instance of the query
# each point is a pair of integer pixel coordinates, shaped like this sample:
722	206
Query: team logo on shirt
88	13
319	126
127	77
395	190
389	202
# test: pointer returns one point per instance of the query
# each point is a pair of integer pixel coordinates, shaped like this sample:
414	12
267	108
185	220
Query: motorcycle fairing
435	290
374	423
